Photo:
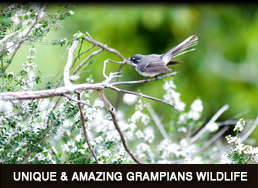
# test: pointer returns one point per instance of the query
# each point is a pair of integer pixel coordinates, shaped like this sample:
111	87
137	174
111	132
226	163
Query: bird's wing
174	62
156	66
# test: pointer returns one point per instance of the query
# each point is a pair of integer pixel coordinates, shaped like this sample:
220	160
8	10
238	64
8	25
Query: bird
153	64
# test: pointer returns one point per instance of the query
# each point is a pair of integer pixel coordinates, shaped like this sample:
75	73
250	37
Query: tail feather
182	47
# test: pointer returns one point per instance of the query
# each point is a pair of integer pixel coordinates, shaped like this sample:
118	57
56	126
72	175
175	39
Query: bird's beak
129	62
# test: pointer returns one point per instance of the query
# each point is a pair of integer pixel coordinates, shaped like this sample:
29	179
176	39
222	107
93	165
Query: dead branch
69	63
104	46
110	108
84	129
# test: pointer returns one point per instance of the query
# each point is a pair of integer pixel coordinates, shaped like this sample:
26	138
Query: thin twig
75	59
77	101
212	120
110	108
84	129
139	94
144	81
86	59
104	46
157	121
213	139
33	149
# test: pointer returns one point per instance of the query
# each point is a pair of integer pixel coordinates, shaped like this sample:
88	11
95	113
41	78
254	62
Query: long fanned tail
181	48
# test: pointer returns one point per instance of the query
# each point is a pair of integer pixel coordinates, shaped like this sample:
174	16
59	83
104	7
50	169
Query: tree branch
69	63
144	81
139	94
104	46
110	108
84	129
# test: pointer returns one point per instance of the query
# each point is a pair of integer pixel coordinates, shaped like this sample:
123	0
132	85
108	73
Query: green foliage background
222	70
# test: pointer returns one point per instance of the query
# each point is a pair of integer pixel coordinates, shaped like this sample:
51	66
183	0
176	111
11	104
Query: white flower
74	77
106	153
240	125
65	148
136	116
172	96
129	99
6	106
30	57
71	12
139	134
194	115
32	50
182	129
98	102
15	20
149	134
240	148
197	106
82	151
182	118
169	84
195	110
212	127
66	123
195	160
231	139
78	137
43	104
99	139
40	156
10	46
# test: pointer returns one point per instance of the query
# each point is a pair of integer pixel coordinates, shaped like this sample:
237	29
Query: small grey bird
154	64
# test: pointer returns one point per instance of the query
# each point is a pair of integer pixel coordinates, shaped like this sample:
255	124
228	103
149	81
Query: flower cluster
239	153
172	96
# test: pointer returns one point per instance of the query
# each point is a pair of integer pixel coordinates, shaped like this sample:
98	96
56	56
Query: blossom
71	12
195	110
6	106
212	126
78	137
149	134
240	125
182	129
172	96
231	139
15	20
129	99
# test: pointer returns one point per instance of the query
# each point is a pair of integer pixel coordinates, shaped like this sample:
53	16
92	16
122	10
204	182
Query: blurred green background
222	70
